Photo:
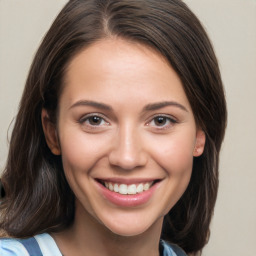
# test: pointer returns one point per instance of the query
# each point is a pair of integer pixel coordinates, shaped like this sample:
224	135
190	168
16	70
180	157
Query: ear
50	133
200	143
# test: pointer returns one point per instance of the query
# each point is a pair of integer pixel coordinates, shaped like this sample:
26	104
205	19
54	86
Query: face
126	134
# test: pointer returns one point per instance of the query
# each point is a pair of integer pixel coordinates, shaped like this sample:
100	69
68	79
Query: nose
127	151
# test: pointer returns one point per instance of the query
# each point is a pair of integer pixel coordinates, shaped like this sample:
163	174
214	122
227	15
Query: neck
87	236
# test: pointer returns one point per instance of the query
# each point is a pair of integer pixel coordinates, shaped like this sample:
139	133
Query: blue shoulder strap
31	246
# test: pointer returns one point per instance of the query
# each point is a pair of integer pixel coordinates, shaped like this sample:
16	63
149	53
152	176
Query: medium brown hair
38	198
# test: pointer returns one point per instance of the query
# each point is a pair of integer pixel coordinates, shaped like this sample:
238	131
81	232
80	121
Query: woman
116	144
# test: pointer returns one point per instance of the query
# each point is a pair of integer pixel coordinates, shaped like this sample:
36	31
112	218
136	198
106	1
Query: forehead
124	67
109	53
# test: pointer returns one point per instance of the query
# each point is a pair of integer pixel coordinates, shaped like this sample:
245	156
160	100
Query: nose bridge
127	151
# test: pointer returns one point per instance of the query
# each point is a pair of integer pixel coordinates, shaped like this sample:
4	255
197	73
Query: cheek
175	154
80	151
176	159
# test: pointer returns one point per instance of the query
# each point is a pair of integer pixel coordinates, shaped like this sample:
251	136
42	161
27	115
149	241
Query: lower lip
128	200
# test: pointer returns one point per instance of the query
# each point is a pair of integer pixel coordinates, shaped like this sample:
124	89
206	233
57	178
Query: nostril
127	159
127	150
126	164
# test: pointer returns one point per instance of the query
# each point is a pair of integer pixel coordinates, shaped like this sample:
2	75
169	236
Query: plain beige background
231	24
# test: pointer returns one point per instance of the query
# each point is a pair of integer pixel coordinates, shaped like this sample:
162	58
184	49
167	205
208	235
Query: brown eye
95	120
160	120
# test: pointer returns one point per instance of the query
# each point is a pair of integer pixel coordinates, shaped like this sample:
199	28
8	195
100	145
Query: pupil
160	120
95	120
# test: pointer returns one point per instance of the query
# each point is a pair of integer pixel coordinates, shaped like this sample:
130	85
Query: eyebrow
148	107
95	104
158	105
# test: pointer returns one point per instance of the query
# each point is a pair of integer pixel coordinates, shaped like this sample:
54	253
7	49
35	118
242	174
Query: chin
129	227
128	232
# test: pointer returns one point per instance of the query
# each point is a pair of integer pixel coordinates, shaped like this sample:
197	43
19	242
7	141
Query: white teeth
123	189
116	188
139	188
131	189
146	186
110	187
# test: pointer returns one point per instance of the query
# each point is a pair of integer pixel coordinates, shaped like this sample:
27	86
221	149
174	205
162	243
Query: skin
144	131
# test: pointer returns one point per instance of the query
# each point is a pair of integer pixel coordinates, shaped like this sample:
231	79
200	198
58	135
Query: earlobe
50	133
200	143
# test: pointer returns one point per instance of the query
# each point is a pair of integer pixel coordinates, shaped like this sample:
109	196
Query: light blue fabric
172	250
12	247
31	246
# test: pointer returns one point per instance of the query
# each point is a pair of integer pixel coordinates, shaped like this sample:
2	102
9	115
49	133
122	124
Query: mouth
127	192
128	189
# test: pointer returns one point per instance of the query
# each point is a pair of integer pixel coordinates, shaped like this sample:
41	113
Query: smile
128	193
125	189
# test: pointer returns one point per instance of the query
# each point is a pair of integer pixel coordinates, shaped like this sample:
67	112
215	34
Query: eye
93	121
162	122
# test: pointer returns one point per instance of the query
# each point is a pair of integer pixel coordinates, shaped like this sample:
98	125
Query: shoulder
172	249
42	244
12	247
47	245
